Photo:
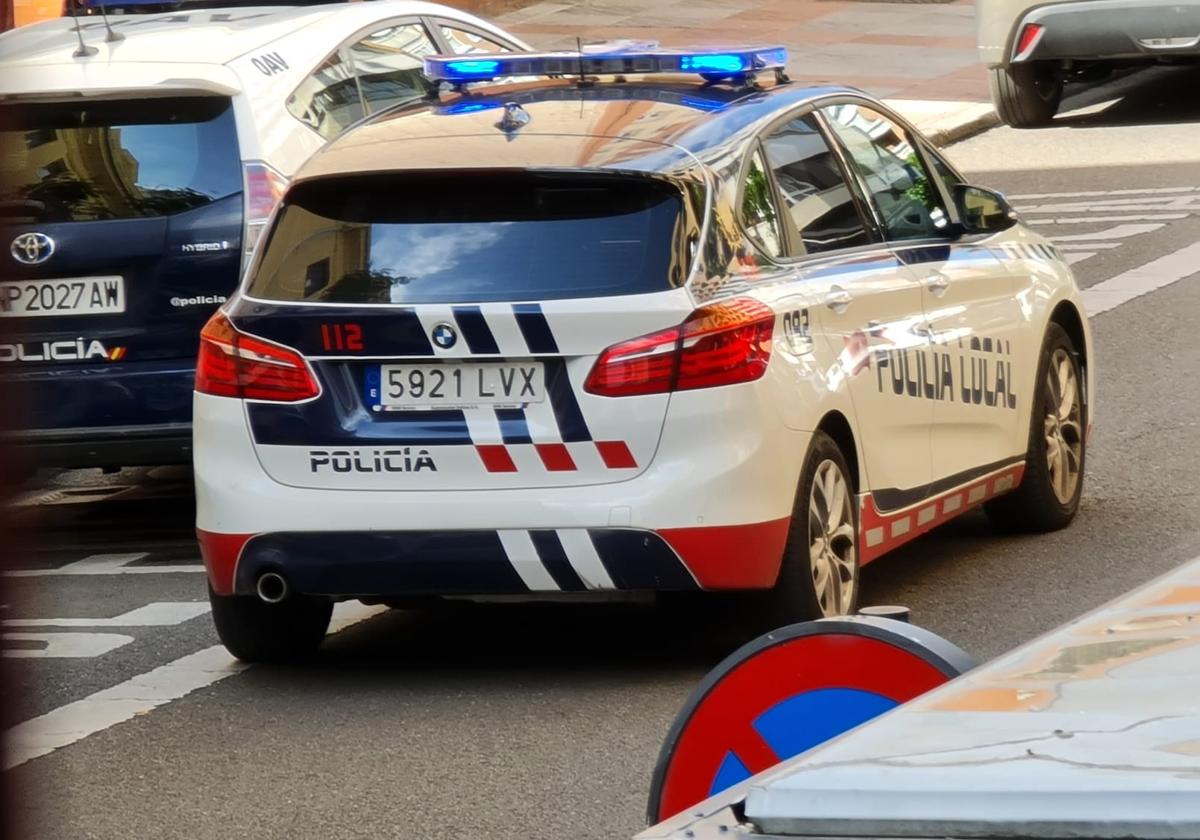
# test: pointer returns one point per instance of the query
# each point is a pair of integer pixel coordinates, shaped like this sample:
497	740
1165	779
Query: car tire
819	572
1026	95
255	631
1047	498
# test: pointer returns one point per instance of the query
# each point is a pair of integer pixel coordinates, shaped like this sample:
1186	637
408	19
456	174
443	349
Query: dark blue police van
121	230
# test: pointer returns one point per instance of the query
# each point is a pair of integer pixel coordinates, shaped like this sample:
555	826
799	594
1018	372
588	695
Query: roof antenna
84	51
111	37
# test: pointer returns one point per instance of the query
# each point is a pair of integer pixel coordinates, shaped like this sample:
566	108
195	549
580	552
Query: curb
965	130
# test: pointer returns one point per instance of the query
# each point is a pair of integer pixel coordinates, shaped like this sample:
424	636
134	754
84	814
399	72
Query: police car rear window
75	162
458	237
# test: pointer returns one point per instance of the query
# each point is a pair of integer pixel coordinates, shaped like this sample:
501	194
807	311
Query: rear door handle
838	299
937	283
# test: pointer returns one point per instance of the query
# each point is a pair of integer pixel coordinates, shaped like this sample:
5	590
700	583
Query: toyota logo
444	336
32	248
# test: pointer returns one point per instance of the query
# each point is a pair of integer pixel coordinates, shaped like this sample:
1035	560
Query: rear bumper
707	516
123	446
365	563
113	415
1113	29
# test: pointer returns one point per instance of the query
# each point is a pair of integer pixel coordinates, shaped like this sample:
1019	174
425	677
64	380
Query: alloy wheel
832	551
1063	426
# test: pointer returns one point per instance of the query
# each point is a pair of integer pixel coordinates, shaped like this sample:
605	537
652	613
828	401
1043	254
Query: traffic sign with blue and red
789	691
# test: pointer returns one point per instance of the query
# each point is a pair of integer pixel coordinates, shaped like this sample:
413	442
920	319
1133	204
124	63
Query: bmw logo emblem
444	336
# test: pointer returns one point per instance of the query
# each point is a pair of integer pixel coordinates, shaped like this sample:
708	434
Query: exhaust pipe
272	587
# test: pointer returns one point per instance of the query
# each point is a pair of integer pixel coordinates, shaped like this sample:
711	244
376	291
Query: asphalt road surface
544	721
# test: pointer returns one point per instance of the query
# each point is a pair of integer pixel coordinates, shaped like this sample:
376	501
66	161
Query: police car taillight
264	188
721	344
233	364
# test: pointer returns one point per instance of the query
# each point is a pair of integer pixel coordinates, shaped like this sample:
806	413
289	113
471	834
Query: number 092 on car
450	385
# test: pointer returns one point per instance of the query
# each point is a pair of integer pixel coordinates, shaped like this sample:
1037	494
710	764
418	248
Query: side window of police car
816	196
760	215
389	65
468	42
328	100
885	158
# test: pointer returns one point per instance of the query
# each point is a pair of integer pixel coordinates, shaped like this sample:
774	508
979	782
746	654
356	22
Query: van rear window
75	162
471	237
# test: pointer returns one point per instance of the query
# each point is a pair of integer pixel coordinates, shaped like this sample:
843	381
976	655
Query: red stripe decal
220	553
731	556
616	454
555	456
880	533
495	458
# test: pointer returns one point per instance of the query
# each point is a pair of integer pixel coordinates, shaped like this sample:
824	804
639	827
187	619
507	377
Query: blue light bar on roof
619	60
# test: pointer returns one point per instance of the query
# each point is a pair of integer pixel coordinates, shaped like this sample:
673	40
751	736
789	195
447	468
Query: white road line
64	645
1129	205
518	545
105	564
1091	220
1140	281
1079	246
1076	258
1115	232
138	695
158	614
1091	193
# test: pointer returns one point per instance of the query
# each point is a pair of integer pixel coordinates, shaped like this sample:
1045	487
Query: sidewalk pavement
921	57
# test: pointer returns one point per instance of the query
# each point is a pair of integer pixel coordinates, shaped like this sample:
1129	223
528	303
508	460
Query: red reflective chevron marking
496	458
616	454
555	456
880	533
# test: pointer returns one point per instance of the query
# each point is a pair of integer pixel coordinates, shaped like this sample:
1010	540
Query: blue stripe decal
385	332
320	423
514	428
447	562
571	424
918	254
535	328
383	563
554	557
475	329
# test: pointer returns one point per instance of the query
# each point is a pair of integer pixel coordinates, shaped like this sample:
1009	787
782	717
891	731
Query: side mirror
982	210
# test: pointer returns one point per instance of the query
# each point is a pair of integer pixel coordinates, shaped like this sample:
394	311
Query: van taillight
721	344
233	364
264	188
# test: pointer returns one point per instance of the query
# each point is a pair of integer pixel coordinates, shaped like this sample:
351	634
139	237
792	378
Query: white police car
140	157
607	331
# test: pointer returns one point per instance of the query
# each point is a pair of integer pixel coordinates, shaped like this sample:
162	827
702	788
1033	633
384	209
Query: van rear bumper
1114	29
105	446
111	415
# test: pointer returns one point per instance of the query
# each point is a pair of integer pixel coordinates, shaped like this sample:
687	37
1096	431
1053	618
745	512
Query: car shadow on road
678	638
1156	96
485	641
